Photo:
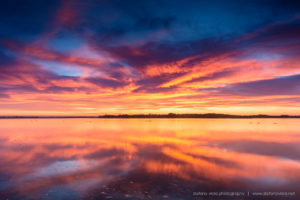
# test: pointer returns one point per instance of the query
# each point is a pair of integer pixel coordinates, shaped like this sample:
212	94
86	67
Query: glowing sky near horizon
110	57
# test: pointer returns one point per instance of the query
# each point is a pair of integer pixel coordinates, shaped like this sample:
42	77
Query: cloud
115	51
106	153
213	76
23	20
106	83
284	150
288	85
4	96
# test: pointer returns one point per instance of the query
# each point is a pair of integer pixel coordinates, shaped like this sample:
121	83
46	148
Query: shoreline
158	116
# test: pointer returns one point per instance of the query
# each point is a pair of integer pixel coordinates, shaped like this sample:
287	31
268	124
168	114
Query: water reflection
147	159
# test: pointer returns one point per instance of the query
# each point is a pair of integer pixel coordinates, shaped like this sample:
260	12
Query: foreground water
149	159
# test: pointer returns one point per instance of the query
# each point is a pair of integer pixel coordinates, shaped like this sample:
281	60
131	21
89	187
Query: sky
84	57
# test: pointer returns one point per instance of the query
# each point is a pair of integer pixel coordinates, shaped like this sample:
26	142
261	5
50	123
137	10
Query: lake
149	159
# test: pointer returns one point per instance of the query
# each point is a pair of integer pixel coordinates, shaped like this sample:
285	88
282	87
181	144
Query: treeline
170	115
207	115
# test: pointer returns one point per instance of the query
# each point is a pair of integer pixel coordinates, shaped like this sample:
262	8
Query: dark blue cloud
106	153
28	88
113	21
288	85
154	53
107	83
152	84
155	89
6	58
26	19
185	19
284	150
279	35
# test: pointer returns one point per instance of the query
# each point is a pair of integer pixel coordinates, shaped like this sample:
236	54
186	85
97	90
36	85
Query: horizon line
169	115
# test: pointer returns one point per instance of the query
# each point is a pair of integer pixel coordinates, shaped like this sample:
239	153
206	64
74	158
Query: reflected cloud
160	158
284	150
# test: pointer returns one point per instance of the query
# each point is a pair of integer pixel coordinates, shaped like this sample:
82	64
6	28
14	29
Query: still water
149	159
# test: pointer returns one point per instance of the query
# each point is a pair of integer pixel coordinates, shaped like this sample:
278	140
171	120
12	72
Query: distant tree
171	115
